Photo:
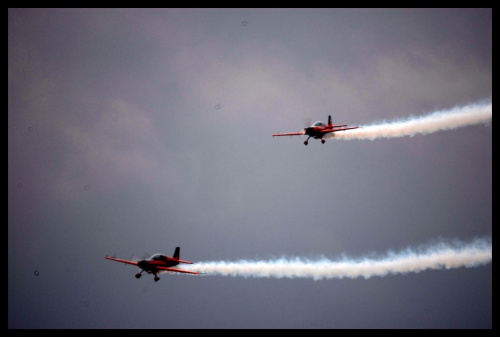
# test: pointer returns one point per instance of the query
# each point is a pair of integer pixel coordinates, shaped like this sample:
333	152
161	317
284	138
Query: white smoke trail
438	256
457	117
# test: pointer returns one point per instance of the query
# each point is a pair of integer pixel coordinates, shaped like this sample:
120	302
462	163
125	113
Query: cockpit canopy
158	257
318	124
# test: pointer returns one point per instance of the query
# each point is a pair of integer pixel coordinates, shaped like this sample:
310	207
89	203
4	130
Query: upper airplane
318	130
157	263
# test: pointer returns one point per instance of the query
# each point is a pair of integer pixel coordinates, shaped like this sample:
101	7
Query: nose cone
308	130
143	264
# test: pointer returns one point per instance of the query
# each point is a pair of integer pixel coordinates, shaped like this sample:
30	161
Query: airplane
157	263
318	130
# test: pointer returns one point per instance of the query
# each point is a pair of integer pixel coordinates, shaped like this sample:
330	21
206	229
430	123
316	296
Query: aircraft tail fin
177	253
330	120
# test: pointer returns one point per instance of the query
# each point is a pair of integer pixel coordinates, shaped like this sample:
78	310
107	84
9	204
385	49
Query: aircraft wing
176	270
290	134
120	260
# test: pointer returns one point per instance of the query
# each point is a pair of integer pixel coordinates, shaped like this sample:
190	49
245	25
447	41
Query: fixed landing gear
138	276
306	142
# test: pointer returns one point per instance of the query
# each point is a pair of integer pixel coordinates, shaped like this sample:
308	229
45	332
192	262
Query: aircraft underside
315	137
138	275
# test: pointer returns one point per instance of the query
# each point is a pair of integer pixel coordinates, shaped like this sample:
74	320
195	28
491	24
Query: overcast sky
133	131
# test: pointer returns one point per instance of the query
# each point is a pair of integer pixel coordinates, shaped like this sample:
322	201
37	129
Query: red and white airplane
157	263
318	130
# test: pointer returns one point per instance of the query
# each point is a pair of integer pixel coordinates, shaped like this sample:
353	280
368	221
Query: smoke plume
434	257
472	114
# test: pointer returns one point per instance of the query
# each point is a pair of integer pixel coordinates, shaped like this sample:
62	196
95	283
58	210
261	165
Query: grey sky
136	131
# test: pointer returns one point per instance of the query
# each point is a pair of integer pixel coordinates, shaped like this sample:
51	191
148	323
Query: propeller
307	122
135	258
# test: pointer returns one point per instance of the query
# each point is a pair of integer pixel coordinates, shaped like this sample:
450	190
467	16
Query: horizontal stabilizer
181	261
177	270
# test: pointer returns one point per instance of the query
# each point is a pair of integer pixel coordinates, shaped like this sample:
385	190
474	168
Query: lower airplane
318	130
157	263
